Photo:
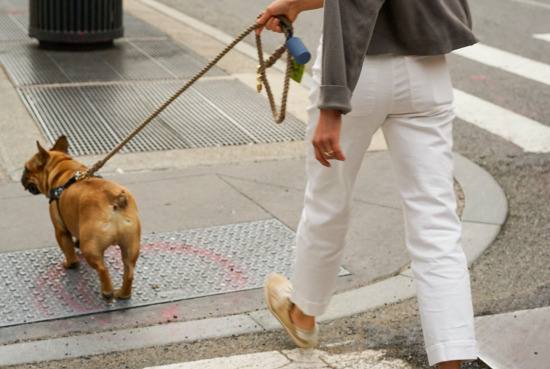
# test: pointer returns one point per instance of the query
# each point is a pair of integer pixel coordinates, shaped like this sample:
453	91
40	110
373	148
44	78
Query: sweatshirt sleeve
347	29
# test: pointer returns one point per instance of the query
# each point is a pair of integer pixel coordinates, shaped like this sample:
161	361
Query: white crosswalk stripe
542	36
523	67
528	134
297	358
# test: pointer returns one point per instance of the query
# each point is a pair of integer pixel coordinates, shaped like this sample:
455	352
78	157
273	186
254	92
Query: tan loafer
277	295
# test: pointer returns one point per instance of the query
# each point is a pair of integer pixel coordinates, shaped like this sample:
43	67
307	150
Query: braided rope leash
263	65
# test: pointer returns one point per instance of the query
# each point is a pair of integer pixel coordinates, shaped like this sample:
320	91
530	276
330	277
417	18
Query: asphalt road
514	272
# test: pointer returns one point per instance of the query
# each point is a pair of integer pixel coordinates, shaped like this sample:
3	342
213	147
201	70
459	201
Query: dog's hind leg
65	241
129	250
94	256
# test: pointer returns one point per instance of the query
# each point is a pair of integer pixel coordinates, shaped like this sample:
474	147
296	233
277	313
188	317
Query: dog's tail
121	201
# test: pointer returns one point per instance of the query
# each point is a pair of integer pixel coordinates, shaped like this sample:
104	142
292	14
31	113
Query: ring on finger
328	154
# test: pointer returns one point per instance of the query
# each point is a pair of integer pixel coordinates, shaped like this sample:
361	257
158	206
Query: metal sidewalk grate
98	97
27	64
97	117
172	266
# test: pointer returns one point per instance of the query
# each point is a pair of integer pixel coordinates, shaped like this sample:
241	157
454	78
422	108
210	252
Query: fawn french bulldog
96	212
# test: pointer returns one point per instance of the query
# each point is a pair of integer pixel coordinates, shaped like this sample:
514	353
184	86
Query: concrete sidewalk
194	189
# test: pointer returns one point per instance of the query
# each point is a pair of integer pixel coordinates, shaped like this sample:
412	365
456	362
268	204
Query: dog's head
37	169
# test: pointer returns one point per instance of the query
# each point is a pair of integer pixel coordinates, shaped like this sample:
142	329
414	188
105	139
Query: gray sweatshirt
355	28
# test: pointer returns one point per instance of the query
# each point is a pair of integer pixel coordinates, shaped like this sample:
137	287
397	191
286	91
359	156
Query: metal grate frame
96	118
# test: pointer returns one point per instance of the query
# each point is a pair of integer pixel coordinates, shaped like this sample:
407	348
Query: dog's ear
42	156
62	144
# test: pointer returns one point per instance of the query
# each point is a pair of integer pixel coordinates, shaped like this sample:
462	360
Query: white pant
411	99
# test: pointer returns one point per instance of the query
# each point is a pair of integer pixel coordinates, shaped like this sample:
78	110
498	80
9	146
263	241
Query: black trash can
75	21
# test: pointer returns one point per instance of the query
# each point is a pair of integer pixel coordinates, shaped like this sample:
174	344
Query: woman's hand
278	7
290	8
326	139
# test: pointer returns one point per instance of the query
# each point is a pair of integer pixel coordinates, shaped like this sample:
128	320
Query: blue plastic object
294	45
298	50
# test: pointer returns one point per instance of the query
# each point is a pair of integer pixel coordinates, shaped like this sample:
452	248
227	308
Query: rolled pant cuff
308	307
451	351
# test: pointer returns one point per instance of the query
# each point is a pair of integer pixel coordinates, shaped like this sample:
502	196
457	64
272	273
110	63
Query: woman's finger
262	20
321	157
273	25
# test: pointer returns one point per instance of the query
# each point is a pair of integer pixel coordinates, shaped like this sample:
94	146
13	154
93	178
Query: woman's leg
419	137
328	197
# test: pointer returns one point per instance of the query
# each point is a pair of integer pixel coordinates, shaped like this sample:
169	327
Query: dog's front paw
70	265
